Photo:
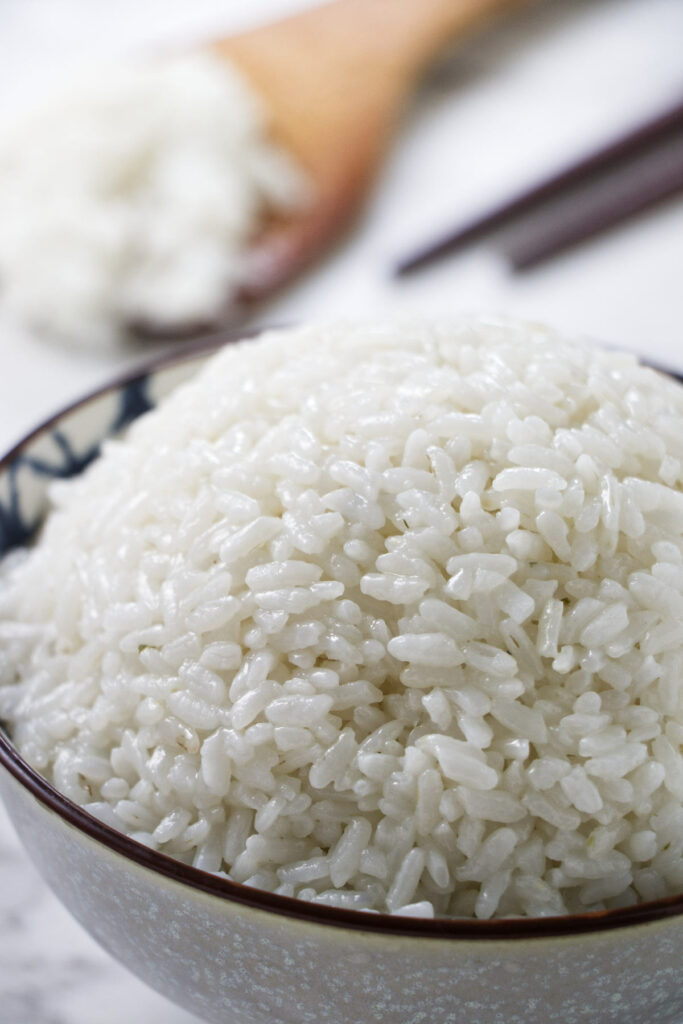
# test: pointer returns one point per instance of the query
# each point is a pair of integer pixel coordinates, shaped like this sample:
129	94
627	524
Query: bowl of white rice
344	683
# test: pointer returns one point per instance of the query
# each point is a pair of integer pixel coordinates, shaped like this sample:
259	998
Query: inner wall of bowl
68	443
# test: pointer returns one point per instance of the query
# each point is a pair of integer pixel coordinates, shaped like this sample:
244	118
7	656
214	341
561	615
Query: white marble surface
505	107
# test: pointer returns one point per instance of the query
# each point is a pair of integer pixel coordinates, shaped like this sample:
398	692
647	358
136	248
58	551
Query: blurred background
517	101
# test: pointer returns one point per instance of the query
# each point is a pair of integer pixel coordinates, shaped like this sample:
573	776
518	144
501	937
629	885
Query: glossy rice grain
383	617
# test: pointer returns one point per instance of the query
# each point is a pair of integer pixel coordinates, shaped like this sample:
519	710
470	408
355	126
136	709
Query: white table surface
506	107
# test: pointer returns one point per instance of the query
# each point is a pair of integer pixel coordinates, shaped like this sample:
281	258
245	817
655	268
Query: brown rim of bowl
260	899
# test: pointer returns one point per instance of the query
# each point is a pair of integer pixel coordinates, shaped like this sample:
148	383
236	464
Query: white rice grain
341	621
133	197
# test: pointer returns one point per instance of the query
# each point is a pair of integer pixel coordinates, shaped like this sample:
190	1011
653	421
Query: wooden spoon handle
346	63
406	34
385	41
334	78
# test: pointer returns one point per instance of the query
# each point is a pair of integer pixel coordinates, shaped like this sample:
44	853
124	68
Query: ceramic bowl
236	955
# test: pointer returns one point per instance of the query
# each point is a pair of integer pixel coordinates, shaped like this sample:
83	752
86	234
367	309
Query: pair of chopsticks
629	175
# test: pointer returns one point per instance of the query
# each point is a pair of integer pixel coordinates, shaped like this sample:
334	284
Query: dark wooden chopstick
626	193
630	144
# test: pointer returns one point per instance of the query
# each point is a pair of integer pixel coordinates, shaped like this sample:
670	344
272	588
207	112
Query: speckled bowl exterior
235	955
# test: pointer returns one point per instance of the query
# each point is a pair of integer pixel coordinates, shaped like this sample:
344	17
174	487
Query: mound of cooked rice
133	197
387	618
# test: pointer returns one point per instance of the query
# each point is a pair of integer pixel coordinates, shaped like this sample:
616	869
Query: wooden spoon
334	79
